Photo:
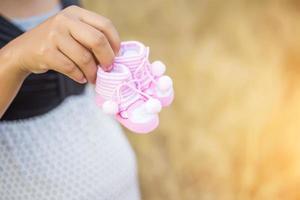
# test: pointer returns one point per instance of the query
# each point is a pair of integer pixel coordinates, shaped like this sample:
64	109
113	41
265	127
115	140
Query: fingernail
83	80
117	53
109	68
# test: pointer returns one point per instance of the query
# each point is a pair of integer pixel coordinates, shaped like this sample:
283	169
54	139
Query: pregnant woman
54	141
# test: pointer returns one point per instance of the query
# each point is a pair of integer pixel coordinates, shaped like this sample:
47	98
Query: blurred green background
233	130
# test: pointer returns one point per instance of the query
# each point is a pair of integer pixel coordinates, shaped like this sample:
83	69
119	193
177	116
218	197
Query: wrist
10	65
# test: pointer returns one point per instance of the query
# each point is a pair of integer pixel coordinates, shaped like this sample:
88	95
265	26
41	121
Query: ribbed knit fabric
107	82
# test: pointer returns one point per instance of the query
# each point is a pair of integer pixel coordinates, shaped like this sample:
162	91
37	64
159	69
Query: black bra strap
66	3
8	31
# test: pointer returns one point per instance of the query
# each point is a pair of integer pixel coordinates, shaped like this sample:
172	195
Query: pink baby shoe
118	95
150	77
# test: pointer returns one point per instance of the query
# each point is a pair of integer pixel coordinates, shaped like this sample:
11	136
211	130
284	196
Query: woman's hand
72	42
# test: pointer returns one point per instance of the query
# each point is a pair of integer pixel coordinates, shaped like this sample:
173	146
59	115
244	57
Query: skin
73	43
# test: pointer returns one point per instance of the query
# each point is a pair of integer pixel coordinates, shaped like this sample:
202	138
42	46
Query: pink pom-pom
164	83
110	107
153	106
158	68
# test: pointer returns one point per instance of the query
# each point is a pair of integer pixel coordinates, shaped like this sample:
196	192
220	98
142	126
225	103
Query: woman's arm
11	79
73	42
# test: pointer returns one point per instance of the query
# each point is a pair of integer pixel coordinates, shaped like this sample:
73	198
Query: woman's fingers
62	64
100	23
94	40
80	56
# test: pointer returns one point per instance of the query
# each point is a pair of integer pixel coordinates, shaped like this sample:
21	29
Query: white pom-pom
158	68
153	106
110	107
164	83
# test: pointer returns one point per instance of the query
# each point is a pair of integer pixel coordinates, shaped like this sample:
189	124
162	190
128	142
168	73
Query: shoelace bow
144	69
117	90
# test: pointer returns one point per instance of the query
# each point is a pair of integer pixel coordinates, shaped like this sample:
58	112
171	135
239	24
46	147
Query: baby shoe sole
140	128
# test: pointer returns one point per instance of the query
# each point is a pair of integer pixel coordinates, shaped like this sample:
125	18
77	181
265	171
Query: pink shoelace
134	89
143	74
120	89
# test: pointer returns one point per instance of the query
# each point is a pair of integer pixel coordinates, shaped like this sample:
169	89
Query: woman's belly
72	152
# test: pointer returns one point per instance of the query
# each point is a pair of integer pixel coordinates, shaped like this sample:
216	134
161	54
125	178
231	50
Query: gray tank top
28	23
